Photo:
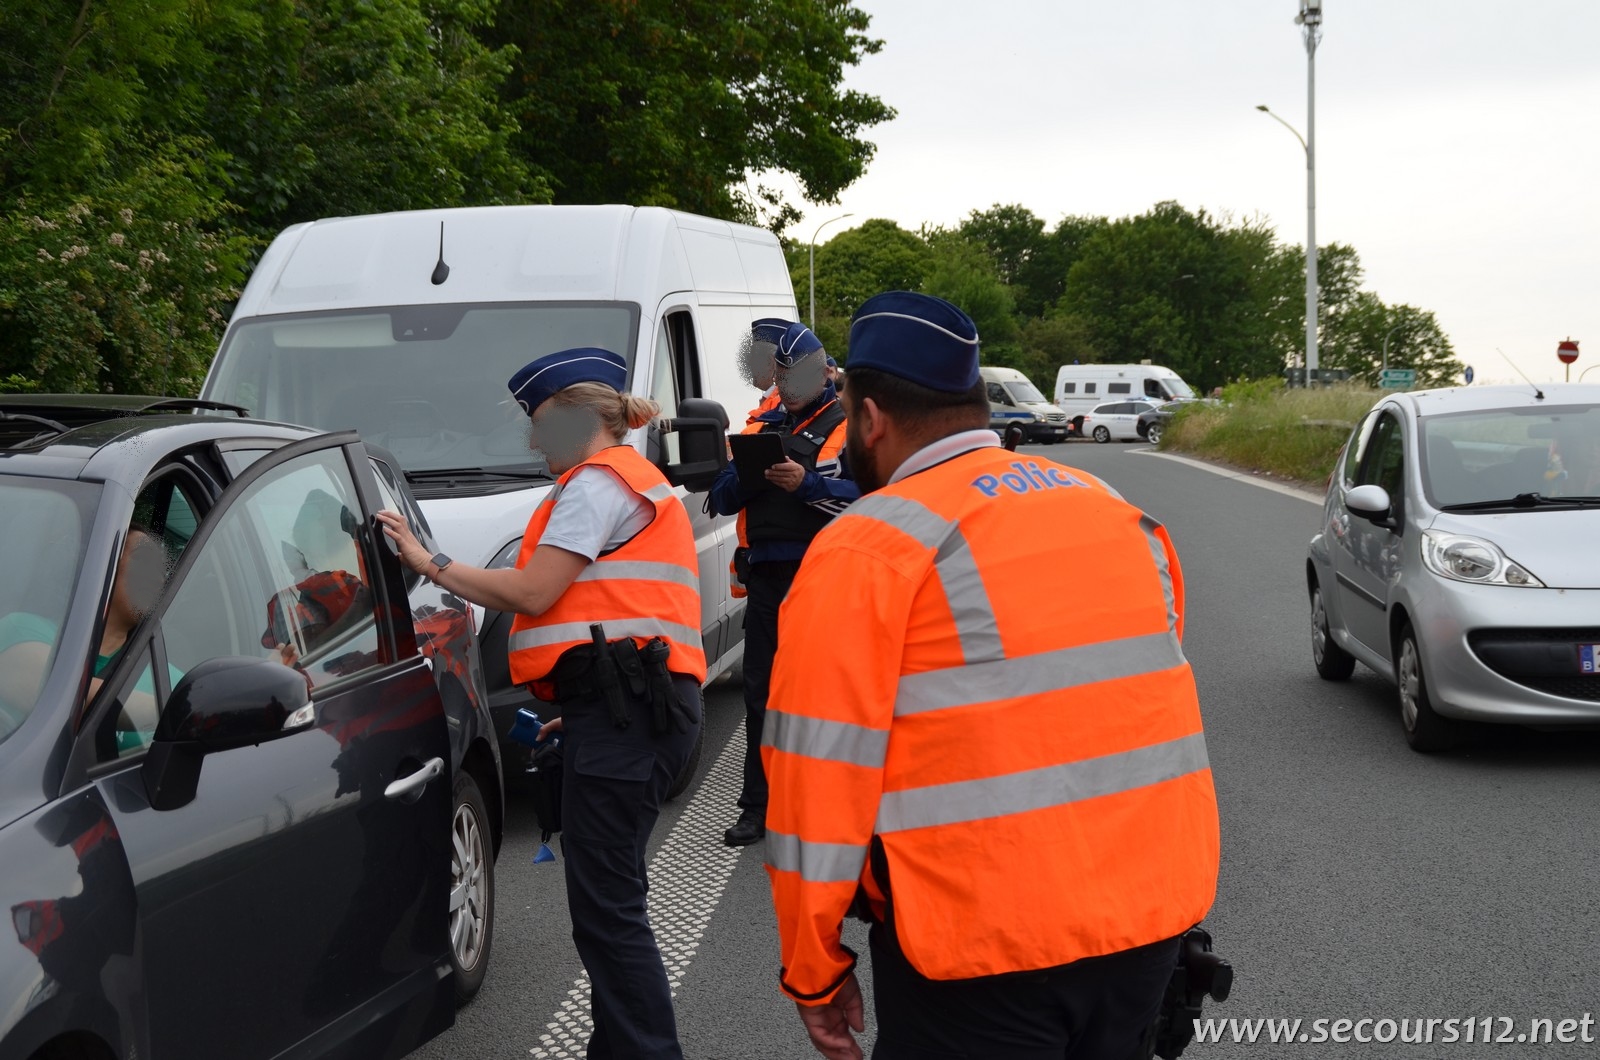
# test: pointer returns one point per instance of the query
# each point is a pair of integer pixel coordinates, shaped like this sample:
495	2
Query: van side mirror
221	704
702	429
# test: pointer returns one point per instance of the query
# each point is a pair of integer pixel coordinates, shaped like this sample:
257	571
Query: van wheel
691	764
471	888
1426	730
1102	435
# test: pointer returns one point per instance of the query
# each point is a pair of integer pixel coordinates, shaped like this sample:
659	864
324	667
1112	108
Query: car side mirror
1370	502
221	704
702	429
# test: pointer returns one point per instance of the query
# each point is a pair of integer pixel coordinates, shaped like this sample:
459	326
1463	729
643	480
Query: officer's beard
863	461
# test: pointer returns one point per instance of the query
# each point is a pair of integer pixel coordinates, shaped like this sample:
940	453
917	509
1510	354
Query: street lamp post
811	256
1586	371
1391	331
1310	17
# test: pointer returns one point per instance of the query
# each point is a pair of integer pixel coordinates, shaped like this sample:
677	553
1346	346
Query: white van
406	327
1014	399
1080	387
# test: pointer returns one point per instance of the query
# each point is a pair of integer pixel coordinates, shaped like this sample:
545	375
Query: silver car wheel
468	886
1102	435
1319	628
1410	681
1153	433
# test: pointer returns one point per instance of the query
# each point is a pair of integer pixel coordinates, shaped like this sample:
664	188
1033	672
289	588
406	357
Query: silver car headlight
1472	559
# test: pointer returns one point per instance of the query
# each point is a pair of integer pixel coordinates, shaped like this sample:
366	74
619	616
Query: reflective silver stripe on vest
976	627
639	570
816	862
572	632
659	492
1158	552
1038	789
1031	675
835	741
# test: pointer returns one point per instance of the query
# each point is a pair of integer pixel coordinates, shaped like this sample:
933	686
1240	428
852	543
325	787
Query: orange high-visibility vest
650	587
1010	764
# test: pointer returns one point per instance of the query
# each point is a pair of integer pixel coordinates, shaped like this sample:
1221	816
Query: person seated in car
1575	461
27	640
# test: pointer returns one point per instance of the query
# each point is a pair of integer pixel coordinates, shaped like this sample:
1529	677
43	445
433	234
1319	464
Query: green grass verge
1261	426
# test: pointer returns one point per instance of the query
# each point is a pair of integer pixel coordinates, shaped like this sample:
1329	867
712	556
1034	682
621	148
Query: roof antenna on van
1537	393
441	271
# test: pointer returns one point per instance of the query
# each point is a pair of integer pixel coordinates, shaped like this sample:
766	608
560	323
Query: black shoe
751	826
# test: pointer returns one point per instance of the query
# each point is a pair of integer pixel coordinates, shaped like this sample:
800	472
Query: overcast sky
1458	143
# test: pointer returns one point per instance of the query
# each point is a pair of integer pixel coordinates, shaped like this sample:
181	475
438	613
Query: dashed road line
687	878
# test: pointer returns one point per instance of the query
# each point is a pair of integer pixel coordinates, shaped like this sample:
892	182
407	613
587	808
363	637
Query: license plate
1589	658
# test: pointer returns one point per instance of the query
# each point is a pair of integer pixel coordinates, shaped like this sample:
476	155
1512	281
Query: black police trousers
766	587
613	782
1094	1009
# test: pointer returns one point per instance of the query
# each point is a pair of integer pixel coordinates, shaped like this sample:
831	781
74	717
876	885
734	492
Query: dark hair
921	410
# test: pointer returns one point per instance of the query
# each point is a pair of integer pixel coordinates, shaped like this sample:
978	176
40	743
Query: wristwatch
441	561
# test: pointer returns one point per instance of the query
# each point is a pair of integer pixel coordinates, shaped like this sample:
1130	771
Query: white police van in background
407	326
1081	387
1014	399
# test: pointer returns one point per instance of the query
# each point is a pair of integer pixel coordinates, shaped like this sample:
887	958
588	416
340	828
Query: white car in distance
1115	420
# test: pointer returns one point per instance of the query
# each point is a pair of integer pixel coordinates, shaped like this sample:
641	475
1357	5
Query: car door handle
410	787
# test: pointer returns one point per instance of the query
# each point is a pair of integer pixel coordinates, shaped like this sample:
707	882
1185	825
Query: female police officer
610	545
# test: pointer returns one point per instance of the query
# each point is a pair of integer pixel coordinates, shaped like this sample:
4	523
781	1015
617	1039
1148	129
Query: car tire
471	888
690	765
1333	662
1426	730
1102	435
1152	434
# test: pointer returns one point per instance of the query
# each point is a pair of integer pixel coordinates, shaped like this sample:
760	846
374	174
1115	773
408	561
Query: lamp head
1262	107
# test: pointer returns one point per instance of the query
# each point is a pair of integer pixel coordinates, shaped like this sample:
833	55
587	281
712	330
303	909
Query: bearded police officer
781	514
1011	782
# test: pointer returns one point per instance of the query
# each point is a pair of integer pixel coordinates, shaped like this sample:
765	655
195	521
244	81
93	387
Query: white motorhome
406	327
1080	387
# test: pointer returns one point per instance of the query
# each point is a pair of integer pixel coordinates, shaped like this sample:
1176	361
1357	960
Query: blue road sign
1466	373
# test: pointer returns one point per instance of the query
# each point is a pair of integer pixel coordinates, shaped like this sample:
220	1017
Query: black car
1152	422
250	797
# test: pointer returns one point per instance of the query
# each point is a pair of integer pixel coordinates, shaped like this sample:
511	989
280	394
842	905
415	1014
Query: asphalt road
1359	879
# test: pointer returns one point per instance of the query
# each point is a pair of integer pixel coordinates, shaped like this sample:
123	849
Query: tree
1356	337
675	103
962	273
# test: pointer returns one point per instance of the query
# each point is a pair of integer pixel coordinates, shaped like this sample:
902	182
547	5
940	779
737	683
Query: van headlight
1462	558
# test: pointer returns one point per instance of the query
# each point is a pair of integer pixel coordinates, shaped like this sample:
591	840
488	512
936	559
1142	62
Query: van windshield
1177	388
1025	393
428	383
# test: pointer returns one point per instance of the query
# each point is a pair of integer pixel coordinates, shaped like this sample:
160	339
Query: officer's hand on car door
787	476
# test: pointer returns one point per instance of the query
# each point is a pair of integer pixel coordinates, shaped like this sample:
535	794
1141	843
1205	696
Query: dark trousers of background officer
613	782
1094	1009
765	589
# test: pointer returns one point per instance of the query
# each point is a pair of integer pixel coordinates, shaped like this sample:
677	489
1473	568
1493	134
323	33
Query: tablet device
753	454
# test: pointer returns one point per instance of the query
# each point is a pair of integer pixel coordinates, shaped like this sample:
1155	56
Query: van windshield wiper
1522	500
442	474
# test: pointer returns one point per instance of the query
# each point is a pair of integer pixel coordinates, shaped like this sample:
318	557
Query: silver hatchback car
1459	556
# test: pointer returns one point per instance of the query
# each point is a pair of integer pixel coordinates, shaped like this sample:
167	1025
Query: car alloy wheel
1425	729
471	888
1102	435
1333	662
1152	434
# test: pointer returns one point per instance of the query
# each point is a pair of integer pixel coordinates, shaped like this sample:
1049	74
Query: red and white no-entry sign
1567	351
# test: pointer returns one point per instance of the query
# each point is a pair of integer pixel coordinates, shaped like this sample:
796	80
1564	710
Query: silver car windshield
428	383
1026	393
1474	458
45	525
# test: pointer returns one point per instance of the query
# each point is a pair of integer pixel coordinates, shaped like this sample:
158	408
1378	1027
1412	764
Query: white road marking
690	871
1240	476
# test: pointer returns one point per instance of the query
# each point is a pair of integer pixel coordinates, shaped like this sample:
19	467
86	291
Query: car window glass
997	393
282	576
1119	388
1385	461
238	460
45	527
387	498
1357	447
168	507
129	725
1153	389
1088	388
1069	388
